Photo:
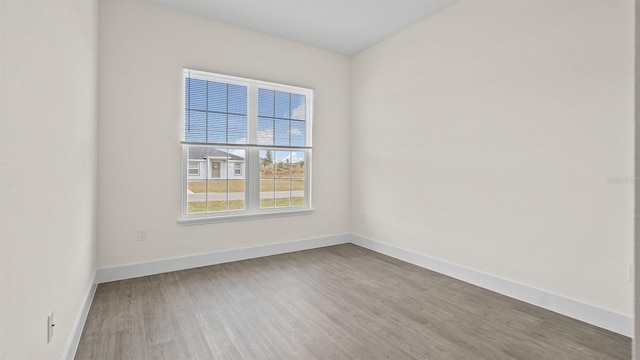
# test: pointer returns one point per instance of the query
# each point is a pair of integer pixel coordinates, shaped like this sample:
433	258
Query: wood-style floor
339	302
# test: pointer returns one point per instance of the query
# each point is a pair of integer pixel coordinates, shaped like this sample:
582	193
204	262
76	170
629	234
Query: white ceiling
342	26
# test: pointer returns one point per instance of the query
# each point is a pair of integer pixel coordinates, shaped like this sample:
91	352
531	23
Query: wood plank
339	302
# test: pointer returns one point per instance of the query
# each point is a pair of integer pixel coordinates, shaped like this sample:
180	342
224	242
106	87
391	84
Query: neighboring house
216	163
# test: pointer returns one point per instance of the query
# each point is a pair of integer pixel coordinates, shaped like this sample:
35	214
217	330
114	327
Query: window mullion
252	187
252	171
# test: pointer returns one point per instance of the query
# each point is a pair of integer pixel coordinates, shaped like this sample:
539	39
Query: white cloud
265	137
294	157
299	112
296	132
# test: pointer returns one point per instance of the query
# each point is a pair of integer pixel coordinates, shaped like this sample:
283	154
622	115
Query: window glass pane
217	193
283	192
266	164
298	133
288	183
212	182
282	181
282	108
215	112
297	178
236	182
267	193
217	96
298	107
237	130
283	164
197	94
216	180
224	193
237	99
196	183
195	126
297	168
196	194
267	183
265	131
265	102
236	194
282	132
217	130
297	192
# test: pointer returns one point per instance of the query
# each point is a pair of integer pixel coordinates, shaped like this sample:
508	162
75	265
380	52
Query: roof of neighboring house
198	152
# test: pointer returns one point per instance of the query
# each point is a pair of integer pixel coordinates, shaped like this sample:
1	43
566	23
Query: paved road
240	195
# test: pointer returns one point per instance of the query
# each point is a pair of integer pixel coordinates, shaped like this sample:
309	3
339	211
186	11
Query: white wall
143	49
48	117
508	117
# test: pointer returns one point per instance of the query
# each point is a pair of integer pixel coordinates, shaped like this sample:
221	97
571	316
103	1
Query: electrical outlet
142	234
50	325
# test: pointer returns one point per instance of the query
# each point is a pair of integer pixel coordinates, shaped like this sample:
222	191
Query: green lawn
200	186
282	184
282	202
199	207
220	186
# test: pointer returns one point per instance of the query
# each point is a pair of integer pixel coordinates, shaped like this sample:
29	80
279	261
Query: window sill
209	219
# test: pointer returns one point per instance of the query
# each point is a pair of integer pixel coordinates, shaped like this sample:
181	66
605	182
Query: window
254	138
194	168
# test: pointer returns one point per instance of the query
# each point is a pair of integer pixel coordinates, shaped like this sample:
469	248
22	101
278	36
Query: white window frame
252	155
237	169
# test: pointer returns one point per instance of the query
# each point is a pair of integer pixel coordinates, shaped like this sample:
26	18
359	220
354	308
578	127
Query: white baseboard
76	330
193	261
591	314
607	319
